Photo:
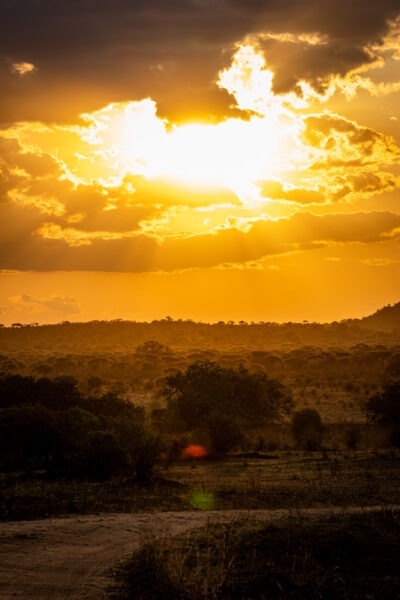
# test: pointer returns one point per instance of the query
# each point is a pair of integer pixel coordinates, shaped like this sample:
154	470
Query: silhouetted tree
352	438
384	408
153	347
48	424
207	393
141	446
28	437
56	394
307	429
224	433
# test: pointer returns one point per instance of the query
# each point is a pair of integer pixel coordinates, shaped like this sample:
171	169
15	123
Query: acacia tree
207	393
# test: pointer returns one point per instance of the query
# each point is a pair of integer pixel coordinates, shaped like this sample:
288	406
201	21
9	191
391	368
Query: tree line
48	425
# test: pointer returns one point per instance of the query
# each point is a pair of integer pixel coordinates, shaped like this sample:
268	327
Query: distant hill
334	366
384	319
125	336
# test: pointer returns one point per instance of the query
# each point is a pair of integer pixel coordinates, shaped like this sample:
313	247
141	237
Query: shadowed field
279	480
75	557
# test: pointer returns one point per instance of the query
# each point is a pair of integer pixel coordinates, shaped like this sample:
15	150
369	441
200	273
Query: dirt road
73	557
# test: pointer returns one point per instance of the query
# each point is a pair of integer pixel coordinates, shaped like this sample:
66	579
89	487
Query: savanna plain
176	459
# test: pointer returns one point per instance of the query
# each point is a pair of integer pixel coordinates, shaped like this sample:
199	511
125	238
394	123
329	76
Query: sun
130	138
262	142
231	153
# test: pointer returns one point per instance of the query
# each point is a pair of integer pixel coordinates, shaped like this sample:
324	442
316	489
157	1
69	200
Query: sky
199	159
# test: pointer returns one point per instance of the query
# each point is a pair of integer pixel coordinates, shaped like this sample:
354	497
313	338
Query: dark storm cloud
294	62
88	53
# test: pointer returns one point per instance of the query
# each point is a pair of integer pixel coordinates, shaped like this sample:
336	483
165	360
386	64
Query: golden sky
212	159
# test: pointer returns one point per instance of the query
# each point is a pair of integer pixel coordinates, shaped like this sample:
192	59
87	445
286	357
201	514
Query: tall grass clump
342	557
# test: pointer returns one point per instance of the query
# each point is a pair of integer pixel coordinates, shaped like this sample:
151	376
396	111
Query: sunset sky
203	159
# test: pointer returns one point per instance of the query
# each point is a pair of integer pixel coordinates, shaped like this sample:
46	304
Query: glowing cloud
63	305
129	138
22	68
124	176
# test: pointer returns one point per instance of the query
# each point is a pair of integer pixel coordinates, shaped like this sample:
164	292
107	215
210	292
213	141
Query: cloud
123	188
336	57
142	253
126	159
19	169
380	262
165	136
63	305
274	190
344	142
57	214
75	237
22	68
350	161
28	162
106	51
34	186
309	39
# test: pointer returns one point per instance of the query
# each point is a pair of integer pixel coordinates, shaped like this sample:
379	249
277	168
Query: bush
384	408
29	437
352	438
70	434
307	429
224	434
343	557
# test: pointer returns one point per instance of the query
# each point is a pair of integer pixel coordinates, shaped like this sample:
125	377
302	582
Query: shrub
341	557
307	429
224	433
53	427
384	408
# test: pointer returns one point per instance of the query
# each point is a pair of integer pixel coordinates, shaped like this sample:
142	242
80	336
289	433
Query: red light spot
194	451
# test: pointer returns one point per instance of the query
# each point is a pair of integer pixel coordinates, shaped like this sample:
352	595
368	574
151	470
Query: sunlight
231	153
130	137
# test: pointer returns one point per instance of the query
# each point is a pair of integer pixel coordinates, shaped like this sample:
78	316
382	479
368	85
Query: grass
37	498
341	557
282	480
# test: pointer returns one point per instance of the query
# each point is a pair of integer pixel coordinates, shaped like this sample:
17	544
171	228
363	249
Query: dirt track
72	558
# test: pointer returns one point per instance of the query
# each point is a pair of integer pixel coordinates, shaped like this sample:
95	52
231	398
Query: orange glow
129	138
260	202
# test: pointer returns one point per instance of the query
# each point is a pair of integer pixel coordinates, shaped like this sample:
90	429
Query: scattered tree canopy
47	424
207	394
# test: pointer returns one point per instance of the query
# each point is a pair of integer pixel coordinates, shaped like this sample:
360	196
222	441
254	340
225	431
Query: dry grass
341	557
283	480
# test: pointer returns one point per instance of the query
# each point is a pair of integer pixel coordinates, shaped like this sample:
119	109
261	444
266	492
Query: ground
74	558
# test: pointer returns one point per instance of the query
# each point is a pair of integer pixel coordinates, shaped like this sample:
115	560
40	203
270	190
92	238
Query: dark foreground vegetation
287	479
62	452
131	417
343	557
48	427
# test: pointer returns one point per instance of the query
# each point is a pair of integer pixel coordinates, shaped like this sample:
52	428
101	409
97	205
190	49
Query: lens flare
194	451
202	500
